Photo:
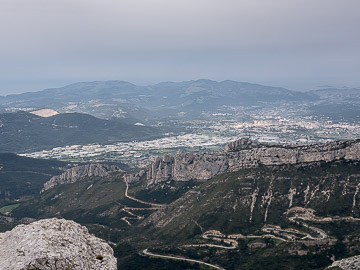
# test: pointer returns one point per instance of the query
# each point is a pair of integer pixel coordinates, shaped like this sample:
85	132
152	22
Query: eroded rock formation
245	153
134	177
74	174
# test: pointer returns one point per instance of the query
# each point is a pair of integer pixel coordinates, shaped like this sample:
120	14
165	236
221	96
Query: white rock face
74	174
351	263
54	244
245	153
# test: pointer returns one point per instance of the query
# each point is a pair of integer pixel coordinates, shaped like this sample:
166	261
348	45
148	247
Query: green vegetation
22	178
165	193
76	199
39	133
99	257
8	208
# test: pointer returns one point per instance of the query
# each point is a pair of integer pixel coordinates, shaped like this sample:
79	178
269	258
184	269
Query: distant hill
22	176
106	99
22	131
338	94
339	104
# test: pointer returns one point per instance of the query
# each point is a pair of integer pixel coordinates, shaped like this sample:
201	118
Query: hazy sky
299	44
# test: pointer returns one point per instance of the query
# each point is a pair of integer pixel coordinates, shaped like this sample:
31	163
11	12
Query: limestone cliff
134	177
245	153
74	174
240	200
54	244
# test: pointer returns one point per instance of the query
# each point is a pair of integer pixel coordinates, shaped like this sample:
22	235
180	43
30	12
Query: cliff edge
245	153
74	174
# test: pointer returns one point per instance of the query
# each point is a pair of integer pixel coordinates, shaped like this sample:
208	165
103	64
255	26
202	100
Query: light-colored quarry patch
45	112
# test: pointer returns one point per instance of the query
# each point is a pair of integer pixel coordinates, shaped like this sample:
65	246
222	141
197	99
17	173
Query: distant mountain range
338	94
106	111
338	104
106	99
22	131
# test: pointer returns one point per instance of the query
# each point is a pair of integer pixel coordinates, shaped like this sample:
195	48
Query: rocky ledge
245	153
352	263
54	244
74	174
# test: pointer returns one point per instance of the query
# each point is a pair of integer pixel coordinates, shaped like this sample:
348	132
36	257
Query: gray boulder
54	244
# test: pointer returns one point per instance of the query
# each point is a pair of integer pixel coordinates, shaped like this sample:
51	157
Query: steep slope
235	201
100	202
23	131
73	200
266	217
24	177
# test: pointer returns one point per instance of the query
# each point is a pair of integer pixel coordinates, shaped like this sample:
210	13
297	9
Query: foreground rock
351	263
54	244
74	174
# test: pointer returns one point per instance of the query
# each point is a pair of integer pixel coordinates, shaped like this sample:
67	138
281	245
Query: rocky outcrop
243	143
74	174
184	167
351	263
245	153
54	244
134	177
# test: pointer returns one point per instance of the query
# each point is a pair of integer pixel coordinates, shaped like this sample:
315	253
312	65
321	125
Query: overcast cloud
299	44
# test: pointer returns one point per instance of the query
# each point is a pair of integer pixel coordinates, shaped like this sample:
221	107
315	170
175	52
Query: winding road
148	253
300	216
133	216
137	200
155	206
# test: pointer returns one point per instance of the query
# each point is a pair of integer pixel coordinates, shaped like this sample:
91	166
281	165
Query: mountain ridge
125	99
245	153
22	131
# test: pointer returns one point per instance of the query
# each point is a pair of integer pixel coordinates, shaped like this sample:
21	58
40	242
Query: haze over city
299	44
